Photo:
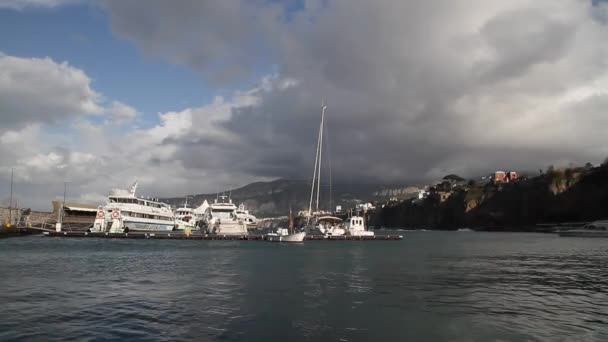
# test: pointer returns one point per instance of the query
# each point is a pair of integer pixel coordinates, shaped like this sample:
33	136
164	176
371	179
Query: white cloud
121	113
22	4
41	90
50	128
97	157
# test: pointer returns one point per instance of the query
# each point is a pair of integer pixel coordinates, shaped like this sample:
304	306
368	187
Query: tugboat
355	226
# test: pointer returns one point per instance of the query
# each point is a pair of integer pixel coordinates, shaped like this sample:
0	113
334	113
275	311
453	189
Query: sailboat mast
10	205
314	175
290	226
328	154
320	153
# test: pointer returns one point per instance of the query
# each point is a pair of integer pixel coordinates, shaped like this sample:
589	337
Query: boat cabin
355	223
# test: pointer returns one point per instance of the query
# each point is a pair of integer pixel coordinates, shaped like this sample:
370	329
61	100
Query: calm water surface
432	286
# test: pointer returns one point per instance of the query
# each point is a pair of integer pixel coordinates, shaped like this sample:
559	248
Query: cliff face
270	199
569	195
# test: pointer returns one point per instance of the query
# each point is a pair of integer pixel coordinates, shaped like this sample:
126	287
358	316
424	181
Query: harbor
130	215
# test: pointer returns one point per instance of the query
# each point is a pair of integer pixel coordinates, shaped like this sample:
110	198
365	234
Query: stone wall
5	216
36	218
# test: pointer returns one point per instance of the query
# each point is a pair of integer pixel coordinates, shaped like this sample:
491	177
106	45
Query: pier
198	236
12	231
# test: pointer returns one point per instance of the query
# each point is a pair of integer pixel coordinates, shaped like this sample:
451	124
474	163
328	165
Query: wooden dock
198	236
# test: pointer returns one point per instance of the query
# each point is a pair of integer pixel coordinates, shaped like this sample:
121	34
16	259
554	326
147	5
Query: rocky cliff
567	195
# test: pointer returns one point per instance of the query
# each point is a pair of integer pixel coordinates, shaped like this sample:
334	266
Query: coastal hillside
268	199
558	195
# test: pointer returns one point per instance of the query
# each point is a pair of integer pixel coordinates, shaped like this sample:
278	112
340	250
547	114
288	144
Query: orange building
505	177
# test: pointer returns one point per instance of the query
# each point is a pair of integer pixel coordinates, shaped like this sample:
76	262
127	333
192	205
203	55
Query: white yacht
250	220
125	212
355	226
186	218
326	225
221	219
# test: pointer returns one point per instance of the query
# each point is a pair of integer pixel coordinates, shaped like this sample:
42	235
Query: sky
193	96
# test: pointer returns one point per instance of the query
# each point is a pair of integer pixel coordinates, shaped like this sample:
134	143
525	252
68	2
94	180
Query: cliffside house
505	177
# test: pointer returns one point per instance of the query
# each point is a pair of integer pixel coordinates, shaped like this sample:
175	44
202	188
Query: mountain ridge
273	198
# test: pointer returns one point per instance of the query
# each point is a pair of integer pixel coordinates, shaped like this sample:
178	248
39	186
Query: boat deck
198	236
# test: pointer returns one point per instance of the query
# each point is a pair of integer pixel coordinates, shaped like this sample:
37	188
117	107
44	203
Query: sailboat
323	224
287	234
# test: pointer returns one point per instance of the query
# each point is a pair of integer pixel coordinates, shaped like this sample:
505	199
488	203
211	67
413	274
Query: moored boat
186	217
249	220
283	235
596	229
287	235
355	226
221	219
125	212
326	225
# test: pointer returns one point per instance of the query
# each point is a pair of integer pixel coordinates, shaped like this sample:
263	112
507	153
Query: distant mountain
269	199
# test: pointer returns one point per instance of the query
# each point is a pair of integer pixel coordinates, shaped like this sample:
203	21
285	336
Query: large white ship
125	212
221	218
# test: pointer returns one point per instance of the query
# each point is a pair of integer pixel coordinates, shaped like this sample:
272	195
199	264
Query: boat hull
586	234
336	232
297	237
148	227
232	228
360	233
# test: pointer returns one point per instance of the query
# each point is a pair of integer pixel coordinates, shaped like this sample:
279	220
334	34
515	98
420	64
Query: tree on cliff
454	177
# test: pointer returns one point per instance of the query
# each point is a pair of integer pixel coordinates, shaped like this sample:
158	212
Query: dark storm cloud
414	88
220	38
520	39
